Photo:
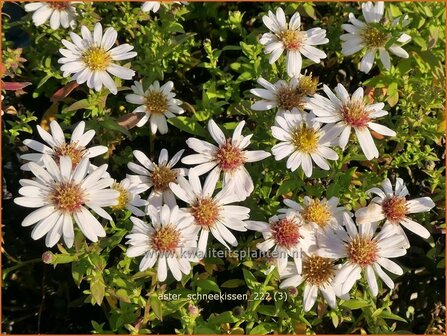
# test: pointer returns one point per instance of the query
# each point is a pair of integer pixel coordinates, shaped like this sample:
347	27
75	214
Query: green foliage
212	54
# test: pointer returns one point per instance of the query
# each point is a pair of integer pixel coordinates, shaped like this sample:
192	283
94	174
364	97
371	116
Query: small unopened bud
47	257
293	291
193	310
238	311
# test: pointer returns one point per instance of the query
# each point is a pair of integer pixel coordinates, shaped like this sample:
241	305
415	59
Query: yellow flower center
308	85
305	139
162	176
286	232
354	114
96	59
292	39
123	197
362	250
67	197
317	270
317	212
156	102
394	208
75	152
373	37
205	212
229	157
165	239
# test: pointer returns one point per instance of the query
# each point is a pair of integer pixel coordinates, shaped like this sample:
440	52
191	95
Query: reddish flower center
353	113
362	250
59	5
75	152
229	157
317	212
394	208
165	239
285	232
156	102
292	39
318	270
162	176
205	212
67	197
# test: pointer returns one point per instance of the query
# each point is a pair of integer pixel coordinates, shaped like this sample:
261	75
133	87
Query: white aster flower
62	194
157	176
56	146
393	206
151	6
210	213
288	235
318	274
168	241
322	214
372	36
91	58
348	113
284	95
129	197
154	6
302	138
157	102
60	13
229	157
292	39
365	252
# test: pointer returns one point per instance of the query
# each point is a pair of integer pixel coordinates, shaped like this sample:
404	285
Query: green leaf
156	306
250	279
355	304
233	283
225	317
63	259
206	330
208	285
267	310
78	270
79	105
262	329
188	125
393	94
390	316
97	288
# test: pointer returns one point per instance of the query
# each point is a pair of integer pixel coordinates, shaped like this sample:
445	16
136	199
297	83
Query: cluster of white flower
328	249
66	183
302	139
63	13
